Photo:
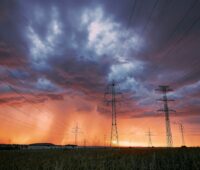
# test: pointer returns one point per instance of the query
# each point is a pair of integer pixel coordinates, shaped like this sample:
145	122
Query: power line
25	113
182	19
19	110
187	75
130	17
10	118
131	14
28	101
59	124
150	16
19	121
186	32
179	40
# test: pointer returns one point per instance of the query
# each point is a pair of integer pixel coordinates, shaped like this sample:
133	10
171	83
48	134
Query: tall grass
102	159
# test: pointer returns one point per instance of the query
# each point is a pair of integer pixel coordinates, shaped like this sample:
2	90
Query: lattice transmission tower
165	89
149	134
110	96
76	131
181	132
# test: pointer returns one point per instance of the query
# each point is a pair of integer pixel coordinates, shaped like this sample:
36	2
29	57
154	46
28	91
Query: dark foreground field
99	159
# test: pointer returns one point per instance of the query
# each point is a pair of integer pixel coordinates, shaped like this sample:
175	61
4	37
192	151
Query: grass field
100	159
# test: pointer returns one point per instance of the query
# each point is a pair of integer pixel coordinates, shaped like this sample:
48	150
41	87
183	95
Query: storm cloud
54	49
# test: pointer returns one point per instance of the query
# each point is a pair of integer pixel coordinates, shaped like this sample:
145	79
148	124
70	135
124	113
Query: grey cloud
46	47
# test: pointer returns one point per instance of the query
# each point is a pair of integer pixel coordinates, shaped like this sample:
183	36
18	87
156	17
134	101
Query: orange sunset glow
55	123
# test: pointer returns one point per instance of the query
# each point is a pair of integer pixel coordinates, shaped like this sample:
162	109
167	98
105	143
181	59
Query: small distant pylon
181	128
84	142
76	131
165	89
112	92
149	134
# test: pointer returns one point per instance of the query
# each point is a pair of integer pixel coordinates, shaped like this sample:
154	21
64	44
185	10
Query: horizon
106	146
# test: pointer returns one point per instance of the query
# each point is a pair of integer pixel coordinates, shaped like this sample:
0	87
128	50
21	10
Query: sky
58	57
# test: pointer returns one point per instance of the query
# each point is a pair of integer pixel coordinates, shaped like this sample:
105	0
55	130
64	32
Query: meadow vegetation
102	159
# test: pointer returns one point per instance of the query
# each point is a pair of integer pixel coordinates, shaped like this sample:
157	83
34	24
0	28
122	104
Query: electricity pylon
165	90
76	131
84	142
181	132
149	134
110	97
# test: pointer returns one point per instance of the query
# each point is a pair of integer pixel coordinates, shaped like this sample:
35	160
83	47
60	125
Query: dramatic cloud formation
57	57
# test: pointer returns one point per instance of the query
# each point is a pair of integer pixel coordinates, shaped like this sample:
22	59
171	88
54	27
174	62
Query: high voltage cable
181	38
118	52
28	125
25	113
58	125
19	110
182	19
19	94
17	120
150	16
186	32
